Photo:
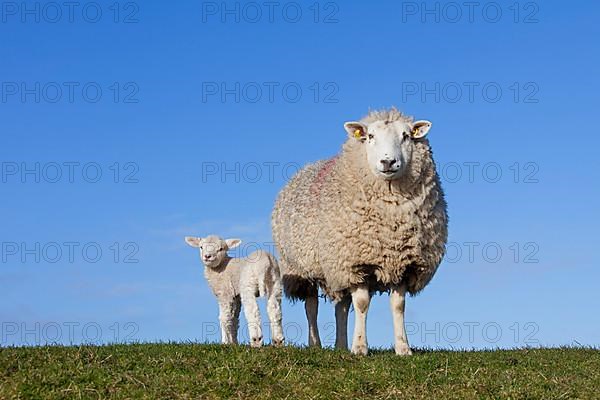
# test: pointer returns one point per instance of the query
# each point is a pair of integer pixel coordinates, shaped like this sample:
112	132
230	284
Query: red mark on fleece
317	184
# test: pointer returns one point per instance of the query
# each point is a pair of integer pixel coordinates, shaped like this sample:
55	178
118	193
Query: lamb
371	219
237	281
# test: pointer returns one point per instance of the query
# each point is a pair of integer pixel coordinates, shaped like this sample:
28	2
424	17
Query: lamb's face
213	249
388	145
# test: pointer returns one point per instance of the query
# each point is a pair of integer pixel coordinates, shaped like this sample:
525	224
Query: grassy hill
185	371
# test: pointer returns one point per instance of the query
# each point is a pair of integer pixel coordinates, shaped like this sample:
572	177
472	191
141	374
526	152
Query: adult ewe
241	280
371	219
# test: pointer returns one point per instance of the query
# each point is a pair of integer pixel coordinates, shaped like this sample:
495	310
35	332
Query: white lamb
236	281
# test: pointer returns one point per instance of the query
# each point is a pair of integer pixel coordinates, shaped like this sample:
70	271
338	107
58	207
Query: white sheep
236	281
372	219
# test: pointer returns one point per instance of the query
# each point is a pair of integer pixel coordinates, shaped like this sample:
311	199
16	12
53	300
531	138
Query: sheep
371	219
237	281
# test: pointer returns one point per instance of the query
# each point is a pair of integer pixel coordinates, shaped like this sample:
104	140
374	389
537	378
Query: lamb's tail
265	282
274	265
271	279
277	284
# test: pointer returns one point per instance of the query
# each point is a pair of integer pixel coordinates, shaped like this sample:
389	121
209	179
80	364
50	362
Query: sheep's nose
387	164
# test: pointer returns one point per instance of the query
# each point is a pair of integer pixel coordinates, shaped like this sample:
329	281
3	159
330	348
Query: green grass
186	371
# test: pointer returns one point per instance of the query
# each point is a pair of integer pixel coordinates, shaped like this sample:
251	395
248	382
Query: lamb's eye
370	136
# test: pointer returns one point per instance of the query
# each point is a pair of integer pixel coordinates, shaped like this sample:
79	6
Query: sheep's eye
220	249
370	136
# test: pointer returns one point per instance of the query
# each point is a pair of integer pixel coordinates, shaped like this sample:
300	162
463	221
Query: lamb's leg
342	308
226	320
360	300
397	296
311	306
274	312
252	314
237	307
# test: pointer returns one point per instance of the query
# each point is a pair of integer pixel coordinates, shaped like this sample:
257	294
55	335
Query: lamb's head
388	139
213	249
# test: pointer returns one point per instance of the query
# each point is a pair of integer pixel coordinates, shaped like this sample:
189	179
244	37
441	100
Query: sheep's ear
420	129
193	241
233	243
356	130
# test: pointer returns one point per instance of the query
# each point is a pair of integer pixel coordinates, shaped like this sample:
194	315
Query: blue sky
204	113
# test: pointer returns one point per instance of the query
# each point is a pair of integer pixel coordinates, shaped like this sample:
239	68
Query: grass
190	371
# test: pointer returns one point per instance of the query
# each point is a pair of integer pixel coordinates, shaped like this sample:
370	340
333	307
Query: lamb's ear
233	243
356	130
420	129
193	241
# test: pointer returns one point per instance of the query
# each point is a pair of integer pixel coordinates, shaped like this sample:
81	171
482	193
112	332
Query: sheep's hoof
278	342
403	351
360	349
256	341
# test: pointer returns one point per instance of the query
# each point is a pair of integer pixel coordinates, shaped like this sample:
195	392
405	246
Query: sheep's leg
397	304
311	306
360	300
342	308
237	307
226	312
274	312
252	314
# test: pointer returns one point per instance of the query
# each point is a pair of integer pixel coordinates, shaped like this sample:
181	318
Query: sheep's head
388	143
213	249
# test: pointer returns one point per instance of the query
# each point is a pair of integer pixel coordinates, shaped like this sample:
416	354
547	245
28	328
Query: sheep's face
388	145
213	249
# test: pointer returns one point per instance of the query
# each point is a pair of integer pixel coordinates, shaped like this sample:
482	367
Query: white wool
350	225
239	281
